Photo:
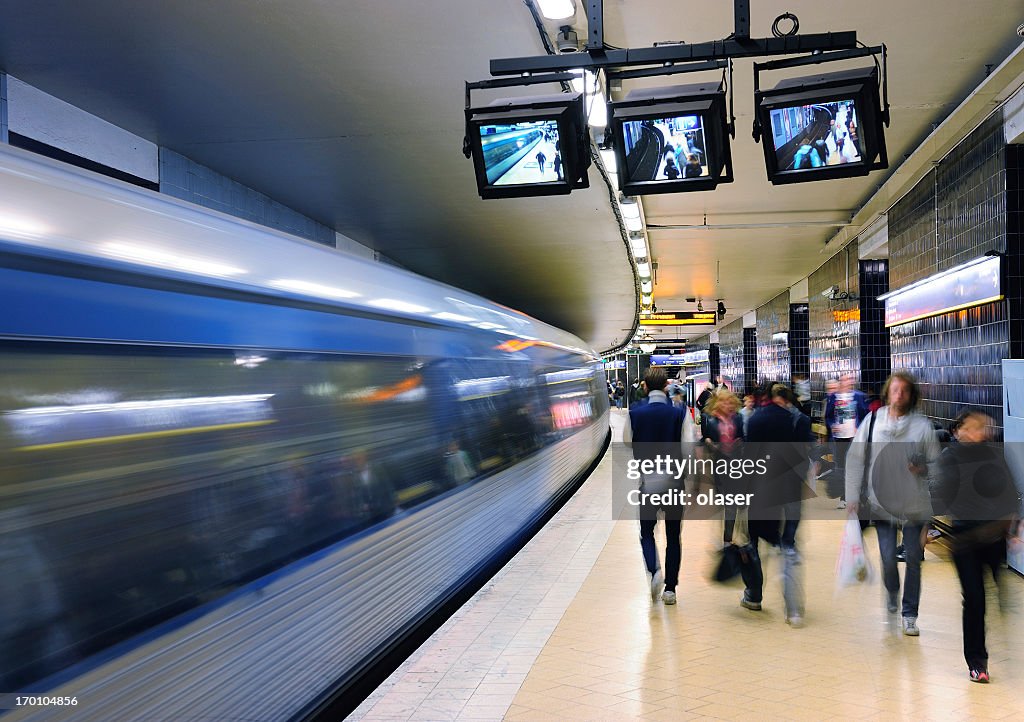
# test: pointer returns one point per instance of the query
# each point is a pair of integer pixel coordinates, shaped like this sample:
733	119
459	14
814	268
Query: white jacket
895	442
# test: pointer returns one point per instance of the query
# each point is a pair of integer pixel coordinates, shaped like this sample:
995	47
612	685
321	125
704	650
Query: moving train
237	466
505	146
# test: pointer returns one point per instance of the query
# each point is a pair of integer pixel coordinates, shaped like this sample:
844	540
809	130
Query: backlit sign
680	318
971	284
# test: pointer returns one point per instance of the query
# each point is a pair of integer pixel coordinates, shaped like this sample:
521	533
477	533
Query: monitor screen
522	153
816	135
665	149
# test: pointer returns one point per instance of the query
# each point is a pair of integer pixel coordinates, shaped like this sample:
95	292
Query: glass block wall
833	325
799	353
773	346
749	359
730	353
956	357
875	360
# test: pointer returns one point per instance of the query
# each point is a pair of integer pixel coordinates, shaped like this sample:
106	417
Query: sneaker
792	555
892	601
910	627
795	621
979	675
657	584
901	553
747	603
841	504
668	597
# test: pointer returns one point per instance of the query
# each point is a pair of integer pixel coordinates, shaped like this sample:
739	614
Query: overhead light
638	245
721	308
700	305
311	289
648	347
629	208
392	304
585	81
608	158
634	224
557	9
646	286
644	269
150	256
646	300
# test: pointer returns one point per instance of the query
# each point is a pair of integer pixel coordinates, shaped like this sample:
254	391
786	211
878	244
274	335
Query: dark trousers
673	549
837	479
750	570
970	561
886	532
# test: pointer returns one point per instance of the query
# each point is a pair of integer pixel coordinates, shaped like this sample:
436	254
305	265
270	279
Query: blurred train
238	466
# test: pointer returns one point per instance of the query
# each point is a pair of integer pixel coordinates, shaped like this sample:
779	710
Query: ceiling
352	113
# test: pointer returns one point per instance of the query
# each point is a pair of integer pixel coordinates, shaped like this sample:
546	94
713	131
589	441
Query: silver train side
237	465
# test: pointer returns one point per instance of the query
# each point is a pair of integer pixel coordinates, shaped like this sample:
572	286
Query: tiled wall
833	326
749	359
875	360
799	353
701	344
730	354
190	181
773	355
716	361
1013	267
956	357
3	107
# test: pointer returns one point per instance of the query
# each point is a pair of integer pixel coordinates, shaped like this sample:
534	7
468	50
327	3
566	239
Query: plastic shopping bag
852	567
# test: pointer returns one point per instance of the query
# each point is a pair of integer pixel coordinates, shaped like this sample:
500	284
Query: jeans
673	549
753	575
837	482
618	403
970	561
890	573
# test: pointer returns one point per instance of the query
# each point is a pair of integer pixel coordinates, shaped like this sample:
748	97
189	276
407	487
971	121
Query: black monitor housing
536	146
671	139
821	127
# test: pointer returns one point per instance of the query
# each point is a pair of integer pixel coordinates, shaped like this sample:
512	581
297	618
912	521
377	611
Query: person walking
890	462
975	488
844	411
655	429
781	435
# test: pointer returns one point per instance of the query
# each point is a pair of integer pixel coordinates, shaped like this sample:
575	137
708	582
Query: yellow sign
680	318
852	314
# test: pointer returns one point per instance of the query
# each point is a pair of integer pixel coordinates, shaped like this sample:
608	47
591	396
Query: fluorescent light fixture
646	286
392	304
634	224
150	256
646	299
644	269
584	82
629	208
311	289
446	316
608	158
557	9
638	244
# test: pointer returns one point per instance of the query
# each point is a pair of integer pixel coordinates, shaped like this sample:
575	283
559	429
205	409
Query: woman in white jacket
903	455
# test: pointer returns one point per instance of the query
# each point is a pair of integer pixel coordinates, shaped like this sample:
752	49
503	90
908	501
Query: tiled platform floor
568	631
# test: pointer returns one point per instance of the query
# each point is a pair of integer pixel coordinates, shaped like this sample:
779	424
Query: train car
237	466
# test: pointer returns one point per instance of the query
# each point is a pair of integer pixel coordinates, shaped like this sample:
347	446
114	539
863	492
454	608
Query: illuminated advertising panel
680	318
971	284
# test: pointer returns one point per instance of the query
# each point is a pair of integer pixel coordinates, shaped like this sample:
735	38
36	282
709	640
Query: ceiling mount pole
742	18
595	25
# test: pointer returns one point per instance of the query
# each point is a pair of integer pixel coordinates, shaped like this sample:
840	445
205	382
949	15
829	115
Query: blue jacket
860	401
657	424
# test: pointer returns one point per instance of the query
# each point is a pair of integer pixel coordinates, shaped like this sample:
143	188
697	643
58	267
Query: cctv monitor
529	147
671	140
820	128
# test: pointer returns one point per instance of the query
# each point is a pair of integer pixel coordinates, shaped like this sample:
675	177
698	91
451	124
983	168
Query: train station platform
567	630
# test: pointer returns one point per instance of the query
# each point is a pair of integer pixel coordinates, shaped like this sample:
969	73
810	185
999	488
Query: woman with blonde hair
721	436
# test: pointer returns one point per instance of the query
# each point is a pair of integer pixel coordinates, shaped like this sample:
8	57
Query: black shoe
901	554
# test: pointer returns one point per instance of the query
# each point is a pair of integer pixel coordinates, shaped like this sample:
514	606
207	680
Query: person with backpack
891	461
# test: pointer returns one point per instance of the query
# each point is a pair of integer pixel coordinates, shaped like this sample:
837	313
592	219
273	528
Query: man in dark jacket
781	436
976	489
655	429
